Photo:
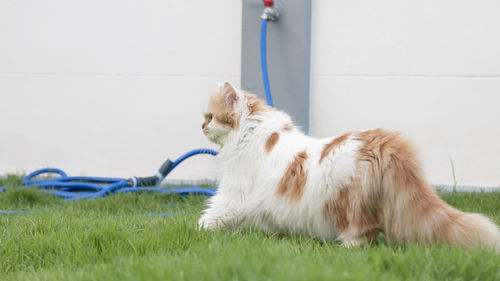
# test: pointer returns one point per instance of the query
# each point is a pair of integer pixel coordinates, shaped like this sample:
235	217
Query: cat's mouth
207	134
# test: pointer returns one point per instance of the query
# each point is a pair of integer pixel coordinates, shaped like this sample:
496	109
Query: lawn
113	238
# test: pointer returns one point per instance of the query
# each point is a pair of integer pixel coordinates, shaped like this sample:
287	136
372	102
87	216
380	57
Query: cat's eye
209	117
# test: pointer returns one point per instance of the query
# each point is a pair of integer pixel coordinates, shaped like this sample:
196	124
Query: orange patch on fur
223	113
255	105
288	127
228	118
336	209
352	209
294	180
271	141
388	151
332	145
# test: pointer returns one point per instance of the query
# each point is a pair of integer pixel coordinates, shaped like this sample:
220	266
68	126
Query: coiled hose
74	188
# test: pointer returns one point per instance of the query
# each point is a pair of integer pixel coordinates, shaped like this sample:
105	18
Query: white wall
430	69
111	87
114	87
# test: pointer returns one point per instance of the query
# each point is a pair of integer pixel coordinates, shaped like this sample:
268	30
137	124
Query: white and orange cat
349	188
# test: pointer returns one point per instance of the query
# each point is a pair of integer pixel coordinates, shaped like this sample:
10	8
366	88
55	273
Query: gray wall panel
288	56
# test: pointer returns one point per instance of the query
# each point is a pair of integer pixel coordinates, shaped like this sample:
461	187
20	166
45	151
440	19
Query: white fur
248	178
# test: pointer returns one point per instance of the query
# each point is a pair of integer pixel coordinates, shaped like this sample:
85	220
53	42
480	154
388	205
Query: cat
348	188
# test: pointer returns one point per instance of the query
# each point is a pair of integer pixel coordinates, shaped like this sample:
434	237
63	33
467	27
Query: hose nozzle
153	180
270	14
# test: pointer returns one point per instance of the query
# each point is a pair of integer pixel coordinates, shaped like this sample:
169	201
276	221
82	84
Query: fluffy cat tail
444	224
413	211
429	219
472	230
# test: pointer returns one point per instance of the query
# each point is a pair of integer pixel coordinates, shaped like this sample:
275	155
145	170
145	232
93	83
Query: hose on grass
75	188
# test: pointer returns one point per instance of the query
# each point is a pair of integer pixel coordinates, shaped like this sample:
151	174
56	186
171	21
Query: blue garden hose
74	188
263	62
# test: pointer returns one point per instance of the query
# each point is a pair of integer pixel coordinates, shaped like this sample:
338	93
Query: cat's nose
203	125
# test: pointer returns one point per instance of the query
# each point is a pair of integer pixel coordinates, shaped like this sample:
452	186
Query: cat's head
226	110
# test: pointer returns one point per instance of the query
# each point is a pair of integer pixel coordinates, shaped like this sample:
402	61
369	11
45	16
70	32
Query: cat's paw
207	223
353	242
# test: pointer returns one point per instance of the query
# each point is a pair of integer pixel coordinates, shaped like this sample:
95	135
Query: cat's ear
231	95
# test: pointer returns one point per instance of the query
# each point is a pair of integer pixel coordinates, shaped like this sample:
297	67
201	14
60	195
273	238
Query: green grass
112	239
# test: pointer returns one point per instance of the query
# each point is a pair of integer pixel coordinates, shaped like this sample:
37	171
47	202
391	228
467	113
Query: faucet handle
268	3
